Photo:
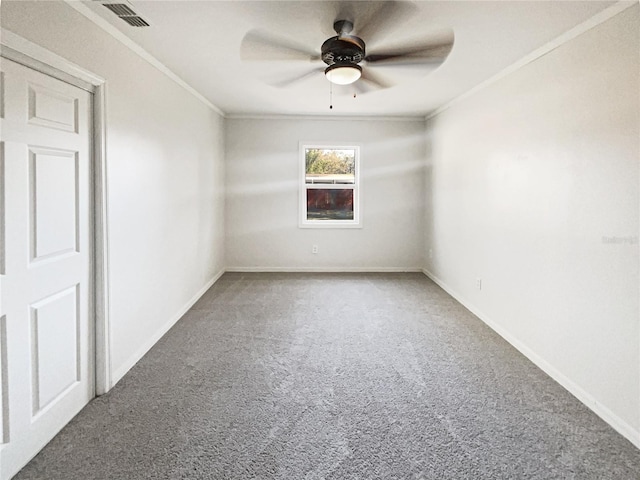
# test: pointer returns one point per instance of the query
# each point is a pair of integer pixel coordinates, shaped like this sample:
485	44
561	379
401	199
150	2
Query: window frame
303	222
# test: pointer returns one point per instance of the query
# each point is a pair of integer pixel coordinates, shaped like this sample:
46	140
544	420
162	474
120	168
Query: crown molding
141	52
566	37
328	118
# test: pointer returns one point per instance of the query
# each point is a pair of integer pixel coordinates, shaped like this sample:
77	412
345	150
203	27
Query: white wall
262	171
524	181
165	178
527	180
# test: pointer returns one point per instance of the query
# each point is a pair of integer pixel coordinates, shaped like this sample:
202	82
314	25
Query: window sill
327	224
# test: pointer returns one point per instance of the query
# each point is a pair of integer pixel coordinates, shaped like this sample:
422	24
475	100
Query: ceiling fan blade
388	16
289	81
372	81
262	46
426	54
363	87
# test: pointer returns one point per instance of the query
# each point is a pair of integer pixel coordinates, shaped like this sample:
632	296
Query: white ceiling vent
126	13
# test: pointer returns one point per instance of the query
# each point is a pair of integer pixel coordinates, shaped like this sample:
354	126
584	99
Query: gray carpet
334	376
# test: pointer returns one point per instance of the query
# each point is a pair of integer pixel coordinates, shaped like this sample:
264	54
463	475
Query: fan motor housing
347	49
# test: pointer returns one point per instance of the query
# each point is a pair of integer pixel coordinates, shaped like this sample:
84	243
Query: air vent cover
135	21
120	9
125	13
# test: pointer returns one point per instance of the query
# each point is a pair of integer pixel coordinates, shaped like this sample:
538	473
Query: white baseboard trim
585	397
325	269
135	358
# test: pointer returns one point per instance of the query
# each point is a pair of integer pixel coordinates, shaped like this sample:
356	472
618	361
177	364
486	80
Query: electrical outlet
479	283
314	249
431	253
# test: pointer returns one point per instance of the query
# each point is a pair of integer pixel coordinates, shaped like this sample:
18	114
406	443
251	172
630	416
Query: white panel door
46	334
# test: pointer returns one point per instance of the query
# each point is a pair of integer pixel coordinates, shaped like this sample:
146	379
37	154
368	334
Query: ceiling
200	41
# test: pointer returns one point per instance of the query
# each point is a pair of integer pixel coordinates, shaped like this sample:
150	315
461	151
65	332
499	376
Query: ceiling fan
345	56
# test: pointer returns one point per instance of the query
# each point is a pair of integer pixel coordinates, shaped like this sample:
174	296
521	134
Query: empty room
319	239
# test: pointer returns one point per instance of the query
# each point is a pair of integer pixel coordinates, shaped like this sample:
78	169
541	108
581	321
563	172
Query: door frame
20	50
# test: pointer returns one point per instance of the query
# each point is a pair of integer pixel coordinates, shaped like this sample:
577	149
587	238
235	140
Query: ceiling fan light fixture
343	74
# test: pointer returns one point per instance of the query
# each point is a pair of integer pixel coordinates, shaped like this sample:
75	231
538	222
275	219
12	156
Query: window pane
329	204
329	165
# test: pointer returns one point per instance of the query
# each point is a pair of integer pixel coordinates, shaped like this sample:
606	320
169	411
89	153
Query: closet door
46	332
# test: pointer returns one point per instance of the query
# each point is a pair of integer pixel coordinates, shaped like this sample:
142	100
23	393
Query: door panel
45	303
54	347
4	392
54	200
51	109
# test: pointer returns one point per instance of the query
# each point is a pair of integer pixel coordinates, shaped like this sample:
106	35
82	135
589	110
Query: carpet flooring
334	376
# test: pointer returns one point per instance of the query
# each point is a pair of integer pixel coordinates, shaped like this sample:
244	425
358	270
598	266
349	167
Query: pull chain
330	95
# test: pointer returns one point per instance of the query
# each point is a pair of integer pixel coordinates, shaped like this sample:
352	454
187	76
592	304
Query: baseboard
325	269
586	398
135	358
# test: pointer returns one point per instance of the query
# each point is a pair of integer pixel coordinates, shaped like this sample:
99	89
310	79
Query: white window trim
302	190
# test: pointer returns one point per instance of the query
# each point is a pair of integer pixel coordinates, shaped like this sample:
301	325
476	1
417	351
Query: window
329	189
